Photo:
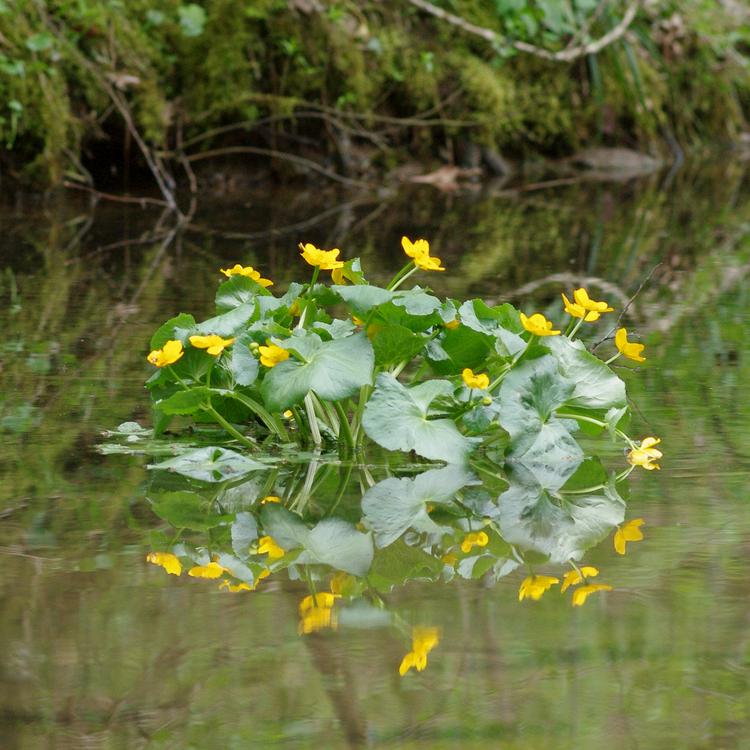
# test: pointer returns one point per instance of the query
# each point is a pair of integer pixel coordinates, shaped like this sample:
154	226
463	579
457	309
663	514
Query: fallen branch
495	39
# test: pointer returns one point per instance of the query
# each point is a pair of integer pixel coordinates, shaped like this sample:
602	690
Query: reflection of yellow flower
235	587
480	381
581	296
580	595
167	560
270	499
211	570
573	578
629	532
212	343
645	455
271	355
538	325
268	546
579	311
167	355
630	349
534	586
326	260
315	619
474	539
420	252
423	640
323	599
249	272
316	612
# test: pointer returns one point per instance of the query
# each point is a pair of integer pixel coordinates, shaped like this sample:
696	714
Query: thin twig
495	39
625	308
142	201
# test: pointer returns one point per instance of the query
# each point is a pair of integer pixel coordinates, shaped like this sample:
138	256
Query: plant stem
313	420
398	277
612	359
403	278
228	427
344	431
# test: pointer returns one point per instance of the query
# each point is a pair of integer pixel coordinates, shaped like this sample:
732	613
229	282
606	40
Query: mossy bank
355	87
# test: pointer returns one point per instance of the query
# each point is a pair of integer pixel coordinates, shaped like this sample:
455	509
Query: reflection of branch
569	278
299	160
565	55
141	201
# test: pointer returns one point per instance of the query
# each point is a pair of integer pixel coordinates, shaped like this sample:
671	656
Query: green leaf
39	42
334	370
238	290
396	418
458	348
241	363
187	510
210	464
417	302
501	323
362	297
192	19
596	386
532	520
184	402
226	324
395	343
394	505
166	331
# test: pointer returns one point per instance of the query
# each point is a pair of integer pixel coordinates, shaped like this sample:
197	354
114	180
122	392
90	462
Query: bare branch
565	55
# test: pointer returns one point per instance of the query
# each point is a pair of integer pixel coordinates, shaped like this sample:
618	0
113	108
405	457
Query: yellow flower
235	587
645	455
480	381
629	349
337	276
270	499
271	355
167	355
212	343
580	595
581	296
249	271
323	600
579	311
534	586
288	414
423	640
167	560
267	545
573	578
326	260
629	532
212	570
315	619
538	325
449	558
357	321
474	539
420	252
453	324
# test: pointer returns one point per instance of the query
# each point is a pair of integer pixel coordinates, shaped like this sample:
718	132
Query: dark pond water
102	650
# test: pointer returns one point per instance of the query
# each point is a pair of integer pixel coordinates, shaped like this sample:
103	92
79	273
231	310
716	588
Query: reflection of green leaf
187	510
533	520
398	563
396	418
210	464
331	542
334	370
244	533
395	505
596	386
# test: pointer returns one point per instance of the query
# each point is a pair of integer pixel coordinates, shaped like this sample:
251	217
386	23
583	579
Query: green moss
258	58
